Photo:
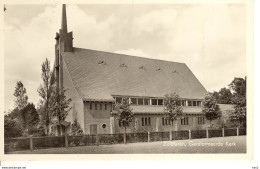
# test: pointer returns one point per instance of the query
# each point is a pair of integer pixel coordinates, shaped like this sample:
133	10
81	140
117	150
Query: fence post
149	137
189	134
207	132
31	143
170	135
97	140
223	132
66	141
124	138
237	131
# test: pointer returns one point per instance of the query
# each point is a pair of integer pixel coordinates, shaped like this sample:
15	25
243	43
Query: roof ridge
130	55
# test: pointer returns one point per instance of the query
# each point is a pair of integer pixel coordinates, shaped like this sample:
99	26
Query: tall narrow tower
64	43
65	37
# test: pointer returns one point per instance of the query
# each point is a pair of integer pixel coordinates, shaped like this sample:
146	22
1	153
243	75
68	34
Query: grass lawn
234	144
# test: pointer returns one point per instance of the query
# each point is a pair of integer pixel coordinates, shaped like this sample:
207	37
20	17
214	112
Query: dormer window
174	71
158	69
123	65
102	62
141	67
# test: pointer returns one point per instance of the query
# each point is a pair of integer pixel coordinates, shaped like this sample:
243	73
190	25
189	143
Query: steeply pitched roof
97	75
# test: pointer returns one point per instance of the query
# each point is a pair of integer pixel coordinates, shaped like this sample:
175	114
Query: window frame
156	102
148	101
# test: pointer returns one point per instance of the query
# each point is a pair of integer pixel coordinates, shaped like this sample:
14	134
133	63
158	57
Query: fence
180	135
30	143
198	134
136	137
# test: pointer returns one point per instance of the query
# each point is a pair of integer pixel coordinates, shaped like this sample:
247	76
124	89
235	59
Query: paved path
236	144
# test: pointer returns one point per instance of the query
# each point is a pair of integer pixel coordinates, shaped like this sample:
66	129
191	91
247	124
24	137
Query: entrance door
93	129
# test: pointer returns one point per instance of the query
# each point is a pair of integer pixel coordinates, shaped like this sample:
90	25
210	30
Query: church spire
66	38
64	19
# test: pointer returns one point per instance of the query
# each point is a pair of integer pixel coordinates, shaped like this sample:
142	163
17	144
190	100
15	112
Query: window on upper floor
160	102
189	103
146	101
194	103
140	101
105	106
134	101
154	101
199	103
183	103
100	106
95	106
118	99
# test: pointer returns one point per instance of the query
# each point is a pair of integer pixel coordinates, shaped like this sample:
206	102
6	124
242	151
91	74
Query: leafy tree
239	115
216	95
76	128
125	114
210	107
11	127
29	118
238	86
45	90
225	96
21	96
173	108
14	114
60	106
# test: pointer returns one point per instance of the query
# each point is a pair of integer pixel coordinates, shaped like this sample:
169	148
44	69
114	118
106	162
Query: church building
96	80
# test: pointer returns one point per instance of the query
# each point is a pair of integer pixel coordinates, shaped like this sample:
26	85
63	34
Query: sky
209	38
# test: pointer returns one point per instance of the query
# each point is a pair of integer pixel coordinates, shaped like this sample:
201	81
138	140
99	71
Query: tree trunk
125	128
58	130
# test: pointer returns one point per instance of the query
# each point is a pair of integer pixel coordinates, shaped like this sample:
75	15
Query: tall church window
185	121
201	120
